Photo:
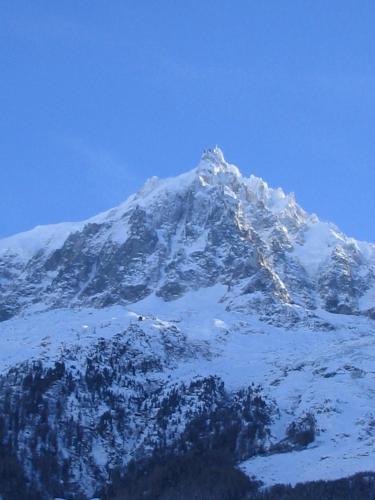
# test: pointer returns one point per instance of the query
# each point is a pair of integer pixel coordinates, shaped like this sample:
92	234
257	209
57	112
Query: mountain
208	310
206	227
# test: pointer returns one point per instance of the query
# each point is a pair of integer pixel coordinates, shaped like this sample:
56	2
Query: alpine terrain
207	316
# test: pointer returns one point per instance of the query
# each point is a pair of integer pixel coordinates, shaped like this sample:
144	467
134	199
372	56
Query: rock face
202	228
208	311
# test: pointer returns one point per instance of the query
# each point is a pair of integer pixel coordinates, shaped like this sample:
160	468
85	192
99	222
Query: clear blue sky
96	96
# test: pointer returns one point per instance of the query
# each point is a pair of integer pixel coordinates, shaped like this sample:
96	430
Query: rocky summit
207	312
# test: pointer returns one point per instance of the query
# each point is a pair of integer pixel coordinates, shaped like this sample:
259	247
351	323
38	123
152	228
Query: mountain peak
213	155
213	162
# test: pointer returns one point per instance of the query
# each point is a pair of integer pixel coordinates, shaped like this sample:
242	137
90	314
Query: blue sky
97	96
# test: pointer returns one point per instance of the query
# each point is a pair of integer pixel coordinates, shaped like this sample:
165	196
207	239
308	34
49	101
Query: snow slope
330	373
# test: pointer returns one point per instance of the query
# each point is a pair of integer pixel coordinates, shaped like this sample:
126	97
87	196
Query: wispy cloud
99	160
108	176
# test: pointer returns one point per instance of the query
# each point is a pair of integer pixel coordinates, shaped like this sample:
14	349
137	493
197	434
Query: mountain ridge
176	234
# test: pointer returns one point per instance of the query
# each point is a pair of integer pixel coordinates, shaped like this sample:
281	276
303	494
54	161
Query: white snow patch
367	301
47	238
219	323
320	240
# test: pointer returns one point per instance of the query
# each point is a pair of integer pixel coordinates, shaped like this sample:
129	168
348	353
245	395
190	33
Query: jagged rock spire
214	155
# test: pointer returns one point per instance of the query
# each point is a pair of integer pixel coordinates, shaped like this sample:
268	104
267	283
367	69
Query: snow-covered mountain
206	227
207	301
